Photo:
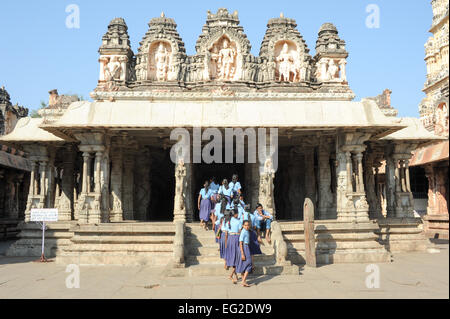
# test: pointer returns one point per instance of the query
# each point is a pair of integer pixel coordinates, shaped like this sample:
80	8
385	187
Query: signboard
44	215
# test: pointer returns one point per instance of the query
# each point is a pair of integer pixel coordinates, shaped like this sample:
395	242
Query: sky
39	53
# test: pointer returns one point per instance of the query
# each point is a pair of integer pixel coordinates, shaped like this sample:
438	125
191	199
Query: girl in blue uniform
213	186
254	244
237	204
263	219
226	190
215	213
245	264
224	235
241	199
204	204
233	254
235	186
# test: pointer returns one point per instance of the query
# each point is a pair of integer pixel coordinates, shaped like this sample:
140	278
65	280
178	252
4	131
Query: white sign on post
44	215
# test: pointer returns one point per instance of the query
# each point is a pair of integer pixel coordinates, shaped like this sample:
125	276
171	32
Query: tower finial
281	15
162	14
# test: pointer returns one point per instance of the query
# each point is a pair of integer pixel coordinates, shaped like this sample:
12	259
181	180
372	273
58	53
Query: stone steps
122	239
119	248
203	256
336	242
218	270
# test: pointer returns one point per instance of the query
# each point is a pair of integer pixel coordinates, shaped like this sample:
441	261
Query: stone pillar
293	180
189	182
359	157
85	178
255	185
352	203
371	182
11	196
266	187
310	176
32	190
408	182
98	162
66	199
116	185
325	195
50	182
179	211
390	186
397	175
43	171
348	157
128	186
142	185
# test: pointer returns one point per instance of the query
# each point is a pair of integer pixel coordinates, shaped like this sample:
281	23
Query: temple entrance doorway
203	172
162	179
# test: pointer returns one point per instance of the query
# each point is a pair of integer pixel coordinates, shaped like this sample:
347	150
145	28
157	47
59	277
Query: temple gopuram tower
433	161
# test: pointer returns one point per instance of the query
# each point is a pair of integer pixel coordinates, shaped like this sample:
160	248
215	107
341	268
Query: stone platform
336	242
152	243
402	234
436	226
29	243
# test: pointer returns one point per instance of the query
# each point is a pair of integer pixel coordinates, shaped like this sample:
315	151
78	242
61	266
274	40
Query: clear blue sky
38	53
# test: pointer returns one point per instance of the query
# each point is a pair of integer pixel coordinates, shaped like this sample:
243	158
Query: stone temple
106	164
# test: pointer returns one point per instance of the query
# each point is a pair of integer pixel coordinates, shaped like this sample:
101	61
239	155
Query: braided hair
223	205
227	217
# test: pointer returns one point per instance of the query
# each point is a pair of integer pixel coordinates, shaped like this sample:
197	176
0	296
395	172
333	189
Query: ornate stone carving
179	201
286	52
162	55
223	60
160	61
116	57
330	56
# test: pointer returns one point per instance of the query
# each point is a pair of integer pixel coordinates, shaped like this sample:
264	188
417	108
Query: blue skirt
222	246
245	266
254	244
233	252
205	209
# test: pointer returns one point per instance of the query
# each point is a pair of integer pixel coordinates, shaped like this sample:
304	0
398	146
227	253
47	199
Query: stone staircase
120	244
202	256
336	242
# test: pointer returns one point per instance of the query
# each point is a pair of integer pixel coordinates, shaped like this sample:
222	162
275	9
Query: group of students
237	230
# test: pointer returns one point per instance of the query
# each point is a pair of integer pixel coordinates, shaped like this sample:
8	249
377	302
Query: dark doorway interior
162	177
204	172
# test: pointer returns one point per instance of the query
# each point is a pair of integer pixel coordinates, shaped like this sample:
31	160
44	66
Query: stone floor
411	275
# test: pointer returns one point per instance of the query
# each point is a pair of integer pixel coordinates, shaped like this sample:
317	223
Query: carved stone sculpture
162	60
226	61
287	65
